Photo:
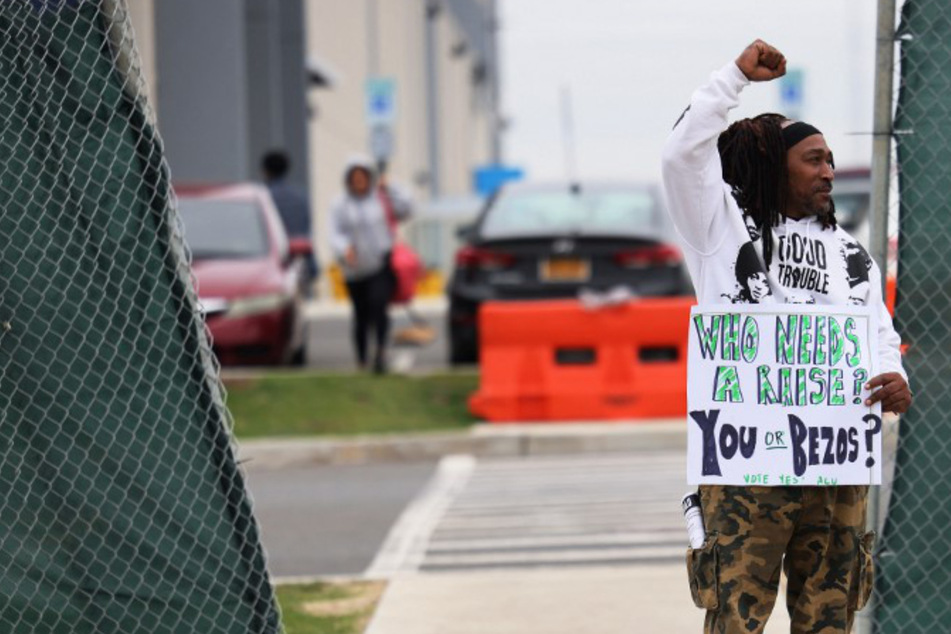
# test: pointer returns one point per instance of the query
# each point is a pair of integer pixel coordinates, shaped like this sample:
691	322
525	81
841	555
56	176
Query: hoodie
361	222
723	249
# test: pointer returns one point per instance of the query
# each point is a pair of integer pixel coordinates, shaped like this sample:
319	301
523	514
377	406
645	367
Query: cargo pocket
864	571
703	572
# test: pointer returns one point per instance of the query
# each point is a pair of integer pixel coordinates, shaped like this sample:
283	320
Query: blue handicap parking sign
791	88
380	93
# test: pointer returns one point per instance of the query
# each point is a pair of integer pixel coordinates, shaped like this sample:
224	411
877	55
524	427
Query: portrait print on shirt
751	228
857	267
752	283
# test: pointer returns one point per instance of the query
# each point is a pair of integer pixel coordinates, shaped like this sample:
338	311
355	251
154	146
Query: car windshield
625	212
223	229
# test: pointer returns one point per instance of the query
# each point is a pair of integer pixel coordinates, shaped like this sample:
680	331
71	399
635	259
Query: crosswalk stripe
554	541
612	509
595	557
562	511
404	546
564	515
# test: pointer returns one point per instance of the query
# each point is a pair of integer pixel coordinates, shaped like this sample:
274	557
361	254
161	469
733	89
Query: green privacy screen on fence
122	507
914	582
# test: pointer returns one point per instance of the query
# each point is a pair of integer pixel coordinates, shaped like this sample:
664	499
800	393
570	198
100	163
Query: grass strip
304	404
328	608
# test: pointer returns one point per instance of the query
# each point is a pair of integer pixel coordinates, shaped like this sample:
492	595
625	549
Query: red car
249	276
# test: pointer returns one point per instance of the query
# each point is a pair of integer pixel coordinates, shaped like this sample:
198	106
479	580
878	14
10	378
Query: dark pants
370	297
312	270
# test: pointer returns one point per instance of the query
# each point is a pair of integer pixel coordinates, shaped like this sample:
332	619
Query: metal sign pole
881	167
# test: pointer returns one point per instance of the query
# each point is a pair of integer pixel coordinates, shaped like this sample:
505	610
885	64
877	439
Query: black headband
796	132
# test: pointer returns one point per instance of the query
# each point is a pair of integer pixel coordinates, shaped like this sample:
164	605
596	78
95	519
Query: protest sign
776	396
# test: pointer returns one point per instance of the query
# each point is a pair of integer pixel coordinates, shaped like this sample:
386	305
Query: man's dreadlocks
753	156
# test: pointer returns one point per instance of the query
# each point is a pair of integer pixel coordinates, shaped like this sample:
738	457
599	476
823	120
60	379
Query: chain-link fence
123	509
913	588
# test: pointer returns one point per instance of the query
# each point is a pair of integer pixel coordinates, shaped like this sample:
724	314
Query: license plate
565	270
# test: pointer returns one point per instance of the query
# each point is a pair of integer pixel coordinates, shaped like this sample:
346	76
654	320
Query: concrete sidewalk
615	600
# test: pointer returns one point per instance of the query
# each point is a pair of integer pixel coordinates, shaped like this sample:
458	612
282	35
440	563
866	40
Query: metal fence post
878	241
882	132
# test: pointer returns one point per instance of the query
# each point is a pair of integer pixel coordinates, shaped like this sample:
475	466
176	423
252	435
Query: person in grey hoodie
362	236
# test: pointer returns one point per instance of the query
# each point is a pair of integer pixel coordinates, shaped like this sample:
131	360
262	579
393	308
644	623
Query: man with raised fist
762	187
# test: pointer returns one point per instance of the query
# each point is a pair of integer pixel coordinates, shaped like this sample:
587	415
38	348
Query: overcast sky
631	65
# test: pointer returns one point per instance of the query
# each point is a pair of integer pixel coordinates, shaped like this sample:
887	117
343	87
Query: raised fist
761	62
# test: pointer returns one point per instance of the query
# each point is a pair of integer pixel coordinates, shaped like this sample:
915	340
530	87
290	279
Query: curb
481	441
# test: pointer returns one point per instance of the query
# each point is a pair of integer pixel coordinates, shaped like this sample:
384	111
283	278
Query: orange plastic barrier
890	294
557	361
890	291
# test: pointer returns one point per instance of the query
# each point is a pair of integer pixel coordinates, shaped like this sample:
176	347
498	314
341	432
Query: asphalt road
569	510
330	520
330	347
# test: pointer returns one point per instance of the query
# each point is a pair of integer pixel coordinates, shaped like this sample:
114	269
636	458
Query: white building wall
337	35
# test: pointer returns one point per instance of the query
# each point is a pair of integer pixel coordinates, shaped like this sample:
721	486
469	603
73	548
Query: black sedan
557	241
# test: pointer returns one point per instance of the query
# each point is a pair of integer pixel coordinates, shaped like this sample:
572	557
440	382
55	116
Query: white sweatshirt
810	265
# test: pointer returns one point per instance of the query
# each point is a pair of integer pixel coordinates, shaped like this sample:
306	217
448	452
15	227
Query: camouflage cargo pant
816	534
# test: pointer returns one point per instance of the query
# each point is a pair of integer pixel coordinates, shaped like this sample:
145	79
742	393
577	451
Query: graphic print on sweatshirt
858	264
751	228
752	283
802	267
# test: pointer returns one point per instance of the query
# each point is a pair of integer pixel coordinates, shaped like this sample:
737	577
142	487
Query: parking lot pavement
329	346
